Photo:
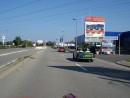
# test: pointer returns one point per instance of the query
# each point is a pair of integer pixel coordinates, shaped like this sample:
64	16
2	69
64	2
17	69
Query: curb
123	63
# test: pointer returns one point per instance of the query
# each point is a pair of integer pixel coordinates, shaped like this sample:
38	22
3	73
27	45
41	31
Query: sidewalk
118	59
124	63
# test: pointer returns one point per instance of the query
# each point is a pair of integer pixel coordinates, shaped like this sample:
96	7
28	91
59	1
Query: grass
128	60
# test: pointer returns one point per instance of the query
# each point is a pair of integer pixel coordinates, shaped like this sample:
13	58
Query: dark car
61	49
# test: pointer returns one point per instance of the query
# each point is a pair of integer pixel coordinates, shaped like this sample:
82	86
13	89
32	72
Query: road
9	55
50	74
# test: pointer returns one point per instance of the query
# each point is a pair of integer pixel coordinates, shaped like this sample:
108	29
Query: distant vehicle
55	47
40	44
83	55
61	49
71	47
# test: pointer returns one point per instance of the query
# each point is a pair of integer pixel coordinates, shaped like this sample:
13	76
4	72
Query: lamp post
63	36
119	44
76	34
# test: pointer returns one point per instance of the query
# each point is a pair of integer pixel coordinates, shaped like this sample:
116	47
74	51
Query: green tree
1	43
26	43
9	43
50	43
17	41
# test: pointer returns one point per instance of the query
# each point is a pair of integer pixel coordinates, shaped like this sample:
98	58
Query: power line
71	12
6	3
27	4
53	8
42	10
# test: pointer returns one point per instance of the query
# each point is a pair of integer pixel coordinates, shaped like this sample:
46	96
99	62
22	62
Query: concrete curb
123	63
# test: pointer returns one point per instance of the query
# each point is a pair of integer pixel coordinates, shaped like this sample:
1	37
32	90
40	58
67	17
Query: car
83	55
61	49
55	47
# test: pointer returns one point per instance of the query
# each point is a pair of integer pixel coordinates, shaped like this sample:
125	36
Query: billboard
94	26
107	45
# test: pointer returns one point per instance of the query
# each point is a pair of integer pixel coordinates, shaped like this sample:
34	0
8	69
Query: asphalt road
9	55
113	58
50	74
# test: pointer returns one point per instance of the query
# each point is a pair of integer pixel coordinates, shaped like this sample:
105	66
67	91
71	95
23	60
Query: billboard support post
119	44
3	38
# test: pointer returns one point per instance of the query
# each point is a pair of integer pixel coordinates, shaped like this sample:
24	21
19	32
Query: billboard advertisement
94	26
107	45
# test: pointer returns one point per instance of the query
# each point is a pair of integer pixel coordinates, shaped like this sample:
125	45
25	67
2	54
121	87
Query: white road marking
81	67
13	52
8	63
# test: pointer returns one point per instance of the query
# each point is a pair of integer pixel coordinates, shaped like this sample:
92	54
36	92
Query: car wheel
91	60
77	60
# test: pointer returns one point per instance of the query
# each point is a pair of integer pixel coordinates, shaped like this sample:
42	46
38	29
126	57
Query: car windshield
64	48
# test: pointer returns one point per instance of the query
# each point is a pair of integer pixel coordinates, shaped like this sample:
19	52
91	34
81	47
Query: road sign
3	37
110	38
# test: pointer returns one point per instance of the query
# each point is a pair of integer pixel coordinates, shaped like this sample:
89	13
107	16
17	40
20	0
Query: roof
107	33
126	34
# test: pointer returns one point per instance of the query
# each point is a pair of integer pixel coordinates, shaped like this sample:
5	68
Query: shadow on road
55	60
109	72
71	59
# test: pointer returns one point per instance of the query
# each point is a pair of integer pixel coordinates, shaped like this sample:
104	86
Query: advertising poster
107	45
94	26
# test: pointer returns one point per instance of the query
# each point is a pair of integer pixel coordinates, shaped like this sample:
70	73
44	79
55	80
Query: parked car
61	49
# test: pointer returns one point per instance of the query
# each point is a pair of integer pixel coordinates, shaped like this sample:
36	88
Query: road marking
81	67
13	52
8	63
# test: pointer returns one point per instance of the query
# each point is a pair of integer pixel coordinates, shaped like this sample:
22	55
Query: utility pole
119	44
76	34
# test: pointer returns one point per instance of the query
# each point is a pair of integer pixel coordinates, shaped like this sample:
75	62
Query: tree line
17	42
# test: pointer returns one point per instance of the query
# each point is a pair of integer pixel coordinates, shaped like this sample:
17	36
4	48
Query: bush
128	60
8	46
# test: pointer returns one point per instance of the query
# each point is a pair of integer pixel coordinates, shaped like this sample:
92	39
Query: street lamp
119	44
76	34
63	37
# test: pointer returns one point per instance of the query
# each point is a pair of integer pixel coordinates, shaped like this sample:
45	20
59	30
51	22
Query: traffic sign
110	38
3	37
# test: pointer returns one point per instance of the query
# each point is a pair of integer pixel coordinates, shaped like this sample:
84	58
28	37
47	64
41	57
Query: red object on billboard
94	18
94	31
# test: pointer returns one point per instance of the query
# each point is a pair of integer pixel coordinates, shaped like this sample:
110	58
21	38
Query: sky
48	20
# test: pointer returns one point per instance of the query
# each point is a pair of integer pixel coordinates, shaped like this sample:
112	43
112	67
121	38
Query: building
125	40
81	38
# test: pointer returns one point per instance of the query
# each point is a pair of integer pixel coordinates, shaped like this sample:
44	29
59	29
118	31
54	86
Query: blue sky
50	19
